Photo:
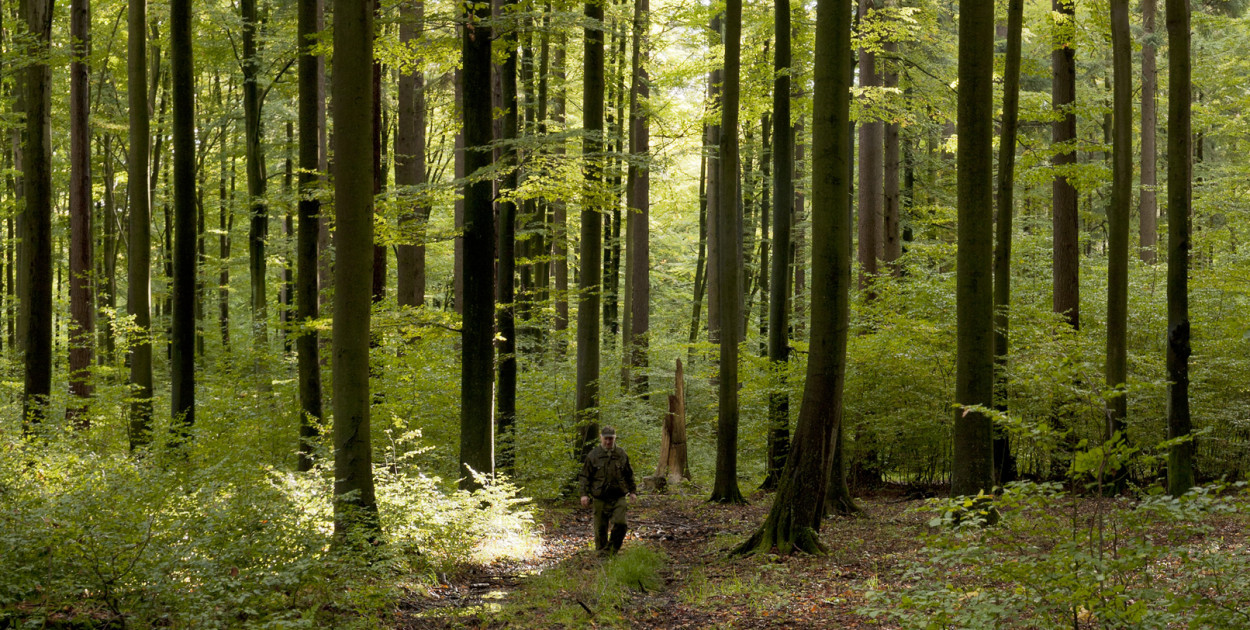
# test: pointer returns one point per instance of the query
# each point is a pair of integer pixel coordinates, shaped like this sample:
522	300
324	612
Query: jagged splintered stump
674	466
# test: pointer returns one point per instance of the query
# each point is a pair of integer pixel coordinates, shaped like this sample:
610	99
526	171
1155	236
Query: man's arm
628	473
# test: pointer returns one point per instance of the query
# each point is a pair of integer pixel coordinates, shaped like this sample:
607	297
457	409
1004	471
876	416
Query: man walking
607	476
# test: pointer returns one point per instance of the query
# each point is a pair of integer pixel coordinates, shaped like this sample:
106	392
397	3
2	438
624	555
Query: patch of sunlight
512	545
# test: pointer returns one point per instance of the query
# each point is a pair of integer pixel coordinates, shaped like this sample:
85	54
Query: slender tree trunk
458	206
613	140
891	242
410	164
286	294
505	289
761	271
1149	123
700	266
713	147
798	307
779	285
139	254
1004	461
1180	174
355	504
182	364
635	338
1118	220
107	288
729	240
793	522
871	165
379	133
477	375
588	281
1067	237
972	465
306	302
258	229
559	237
82	307
225	225
37	239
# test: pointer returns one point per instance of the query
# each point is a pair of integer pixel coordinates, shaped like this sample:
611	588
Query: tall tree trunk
258	229
410	164
1180	174
355	506
1118	220
477	372
1148	245
559	221
793	522
761	271
713	147
972	465
798	306
779	285
1004	461
700	266
871	164
729	240
286	293
182	342
588	281
139	254
378	280
635	338
1067	237
37	240
614	128
82	307
107	288
891	241
306	342
505	289
458	170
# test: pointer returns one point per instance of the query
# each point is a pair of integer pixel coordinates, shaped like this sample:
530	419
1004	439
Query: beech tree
793	521
306	341
139	252
81	259
972	461
182	335
1065	212
1118	220
355	505
1180	174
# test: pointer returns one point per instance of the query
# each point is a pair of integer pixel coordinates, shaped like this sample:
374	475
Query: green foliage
1059	561
561	597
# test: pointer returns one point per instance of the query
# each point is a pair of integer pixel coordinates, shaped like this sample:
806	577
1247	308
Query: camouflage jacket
606	475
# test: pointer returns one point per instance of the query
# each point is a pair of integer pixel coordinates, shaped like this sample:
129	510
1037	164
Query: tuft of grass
562	596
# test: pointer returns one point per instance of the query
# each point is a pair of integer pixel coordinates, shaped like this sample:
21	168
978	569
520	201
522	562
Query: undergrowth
587	589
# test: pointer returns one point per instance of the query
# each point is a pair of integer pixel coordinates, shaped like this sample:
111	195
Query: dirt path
701	587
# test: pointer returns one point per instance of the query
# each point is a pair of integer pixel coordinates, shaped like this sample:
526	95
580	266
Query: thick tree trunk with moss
355	506
793	522
728	265
593	198
1118	217
306	341
972	465
1004	461
1180	174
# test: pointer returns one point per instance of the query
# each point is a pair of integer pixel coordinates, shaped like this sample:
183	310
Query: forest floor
690	583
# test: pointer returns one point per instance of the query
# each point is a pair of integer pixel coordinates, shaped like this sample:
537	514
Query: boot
618	537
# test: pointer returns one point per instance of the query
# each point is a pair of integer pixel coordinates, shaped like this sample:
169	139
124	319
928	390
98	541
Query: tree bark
1148	231
1066	212
727	261
139	254
1004	461
593	199
355	512
37	240
505	290
779	285
793	522
1118	220
258	229
972	465
410	163
891	241
1180	175
871	164
82	307
635	338
477	371
182	364
715	89
559	211
306	291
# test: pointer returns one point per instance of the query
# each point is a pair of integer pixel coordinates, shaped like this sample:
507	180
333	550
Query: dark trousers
610	511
